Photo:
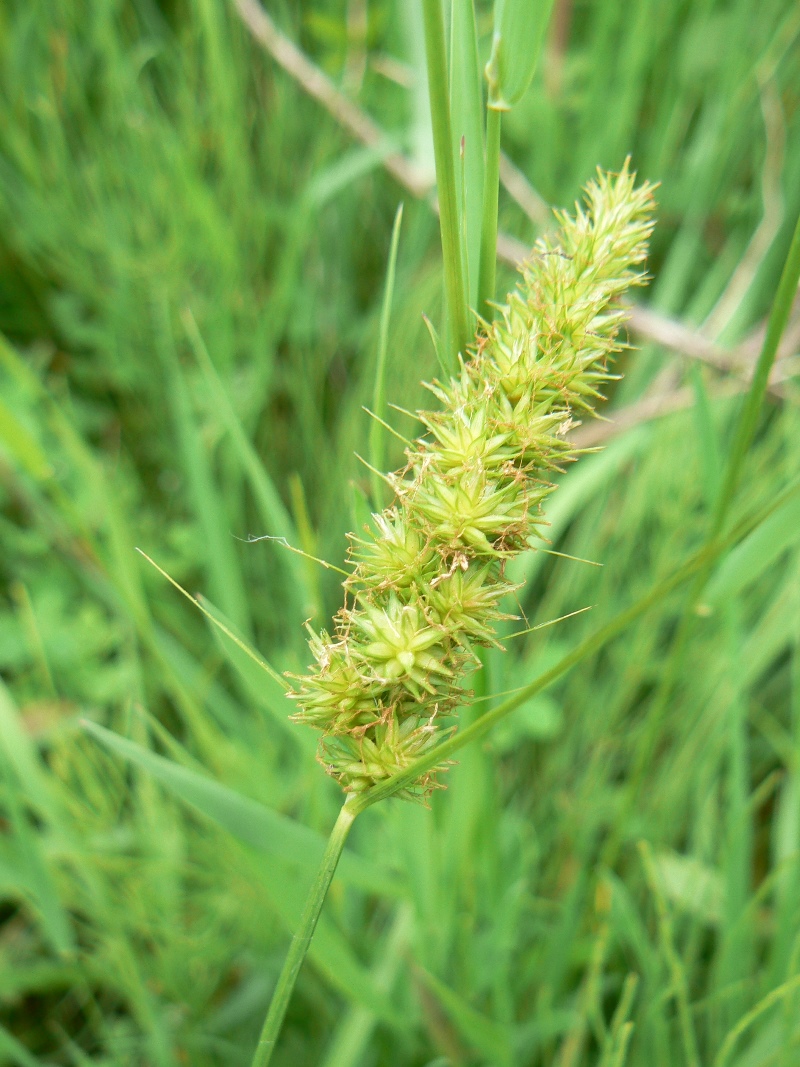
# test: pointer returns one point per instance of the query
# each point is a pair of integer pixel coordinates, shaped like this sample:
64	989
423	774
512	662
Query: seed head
427	580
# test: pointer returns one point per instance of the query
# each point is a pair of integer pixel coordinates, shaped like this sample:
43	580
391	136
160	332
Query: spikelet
427	579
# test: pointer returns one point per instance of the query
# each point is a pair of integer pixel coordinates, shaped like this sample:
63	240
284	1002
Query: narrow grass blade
191	674
491	188
271	508
436	54
224	572
242	645
250	822
262	687
377	434
238	652
438	346
748	418
519	29
466	102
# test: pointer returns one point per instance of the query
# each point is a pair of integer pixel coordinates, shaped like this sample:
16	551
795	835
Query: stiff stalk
436	57
302	937
377	431
491	185
748	417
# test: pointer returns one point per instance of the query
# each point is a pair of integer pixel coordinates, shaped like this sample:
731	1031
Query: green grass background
192	257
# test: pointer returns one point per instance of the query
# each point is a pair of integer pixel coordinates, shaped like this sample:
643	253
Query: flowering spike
428	578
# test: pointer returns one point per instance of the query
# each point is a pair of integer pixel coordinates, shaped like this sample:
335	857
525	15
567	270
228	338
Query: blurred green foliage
192	257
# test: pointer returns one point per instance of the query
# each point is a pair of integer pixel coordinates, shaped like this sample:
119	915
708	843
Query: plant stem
445	174
302	937
746	426
491	185
377	432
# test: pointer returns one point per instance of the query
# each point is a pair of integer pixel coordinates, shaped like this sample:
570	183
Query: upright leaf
466	105
519	29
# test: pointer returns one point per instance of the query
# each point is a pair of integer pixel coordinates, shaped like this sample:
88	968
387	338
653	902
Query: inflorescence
428	581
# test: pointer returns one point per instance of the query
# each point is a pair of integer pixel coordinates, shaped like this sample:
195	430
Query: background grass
192	257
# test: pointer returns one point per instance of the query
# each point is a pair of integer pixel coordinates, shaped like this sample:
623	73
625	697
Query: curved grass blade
271	508
248	651
253	823
519	29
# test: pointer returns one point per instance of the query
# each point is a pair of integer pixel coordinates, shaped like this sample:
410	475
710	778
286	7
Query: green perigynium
427	579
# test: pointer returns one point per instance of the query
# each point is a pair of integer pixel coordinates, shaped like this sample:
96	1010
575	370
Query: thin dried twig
653	405
317	84
523	193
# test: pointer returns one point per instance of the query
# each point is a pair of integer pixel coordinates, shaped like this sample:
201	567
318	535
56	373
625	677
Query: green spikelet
427	580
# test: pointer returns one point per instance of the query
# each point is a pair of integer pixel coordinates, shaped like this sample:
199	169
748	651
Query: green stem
445	173
751	407
377	432
302	937
491	186
748	418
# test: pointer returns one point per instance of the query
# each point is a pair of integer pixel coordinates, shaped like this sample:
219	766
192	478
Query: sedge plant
428	579
428	584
